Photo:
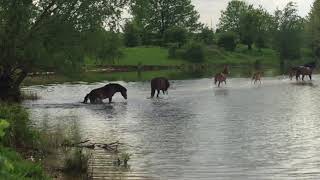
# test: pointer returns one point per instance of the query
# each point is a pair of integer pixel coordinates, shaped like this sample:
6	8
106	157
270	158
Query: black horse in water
159	84
97	95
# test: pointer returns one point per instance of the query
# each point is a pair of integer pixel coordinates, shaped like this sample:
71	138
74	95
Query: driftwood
112	147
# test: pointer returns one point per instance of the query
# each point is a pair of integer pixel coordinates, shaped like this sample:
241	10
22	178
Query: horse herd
162	84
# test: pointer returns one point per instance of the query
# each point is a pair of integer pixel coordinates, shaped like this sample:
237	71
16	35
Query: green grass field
213	55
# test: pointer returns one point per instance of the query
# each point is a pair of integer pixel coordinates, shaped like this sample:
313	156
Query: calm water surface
239	131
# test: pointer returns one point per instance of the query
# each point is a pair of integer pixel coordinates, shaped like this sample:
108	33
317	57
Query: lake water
198	131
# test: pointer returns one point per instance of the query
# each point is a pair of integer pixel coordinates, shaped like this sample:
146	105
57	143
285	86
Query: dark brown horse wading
221	77
305	70
159	84
97	95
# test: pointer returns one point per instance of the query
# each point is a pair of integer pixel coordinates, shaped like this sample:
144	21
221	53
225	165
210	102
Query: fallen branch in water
112	147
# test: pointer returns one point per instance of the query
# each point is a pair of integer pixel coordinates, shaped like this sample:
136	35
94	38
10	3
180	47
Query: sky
210	10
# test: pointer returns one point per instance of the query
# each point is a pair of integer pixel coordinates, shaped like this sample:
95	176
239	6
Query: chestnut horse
97	95
257	77
221	77
159	84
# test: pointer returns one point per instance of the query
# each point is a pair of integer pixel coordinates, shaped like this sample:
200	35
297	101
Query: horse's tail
86	98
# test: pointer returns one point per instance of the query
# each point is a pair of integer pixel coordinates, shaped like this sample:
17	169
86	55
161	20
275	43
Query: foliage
227	41
18	133
132	34
206	36
101	45
230	18
3	125
194	52
177	35
12	166
313	27
48	33
288	32
157	16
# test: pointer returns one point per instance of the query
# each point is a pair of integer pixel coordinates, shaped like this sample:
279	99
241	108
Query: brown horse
159	84
257	77
221	77
293	72
97	95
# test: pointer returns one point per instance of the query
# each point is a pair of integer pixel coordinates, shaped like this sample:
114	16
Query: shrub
194	52
13	166
227	41
18	133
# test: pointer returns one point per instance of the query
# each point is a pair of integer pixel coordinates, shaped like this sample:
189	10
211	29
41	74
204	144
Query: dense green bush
18	134
194	52
13	166
227	41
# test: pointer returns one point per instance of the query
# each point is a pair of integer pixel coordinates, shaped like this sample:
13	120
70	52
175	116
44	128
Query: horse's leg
163	91
219	84
303	77
158	92
310	76
110	100
153	91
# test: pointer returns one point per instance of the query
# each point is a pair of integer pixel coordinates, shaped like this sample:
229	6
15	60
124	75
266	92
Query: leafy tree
157	16
132	34
176	35
227	41
230	18
39	33
313	28
206	36
288	31
248	27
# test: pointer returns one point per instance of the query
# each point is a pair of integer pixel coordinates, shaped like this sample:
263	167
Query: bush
194	52
18	134
227	41
13	166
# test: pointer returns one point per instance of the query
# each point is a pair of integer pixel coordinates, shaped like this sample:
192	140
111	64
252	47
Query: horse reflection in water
97	95
159	84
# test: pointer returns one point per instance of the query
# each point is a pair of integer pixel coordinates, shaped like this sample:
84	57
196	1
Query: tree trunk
10	88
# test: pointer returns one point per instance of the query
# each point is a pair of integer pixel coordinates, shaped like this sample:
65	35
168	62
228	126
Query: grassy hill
213	55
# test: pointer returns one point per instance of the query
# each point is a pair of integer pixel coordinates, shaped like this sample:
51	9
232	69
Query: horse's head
123	92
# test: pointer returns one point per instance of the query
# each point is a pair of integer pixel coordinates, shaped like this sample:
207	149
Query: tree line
60	34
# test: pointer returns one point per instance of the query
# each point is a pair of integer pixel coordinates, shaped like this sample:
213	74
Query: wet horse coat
159	84
97	95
